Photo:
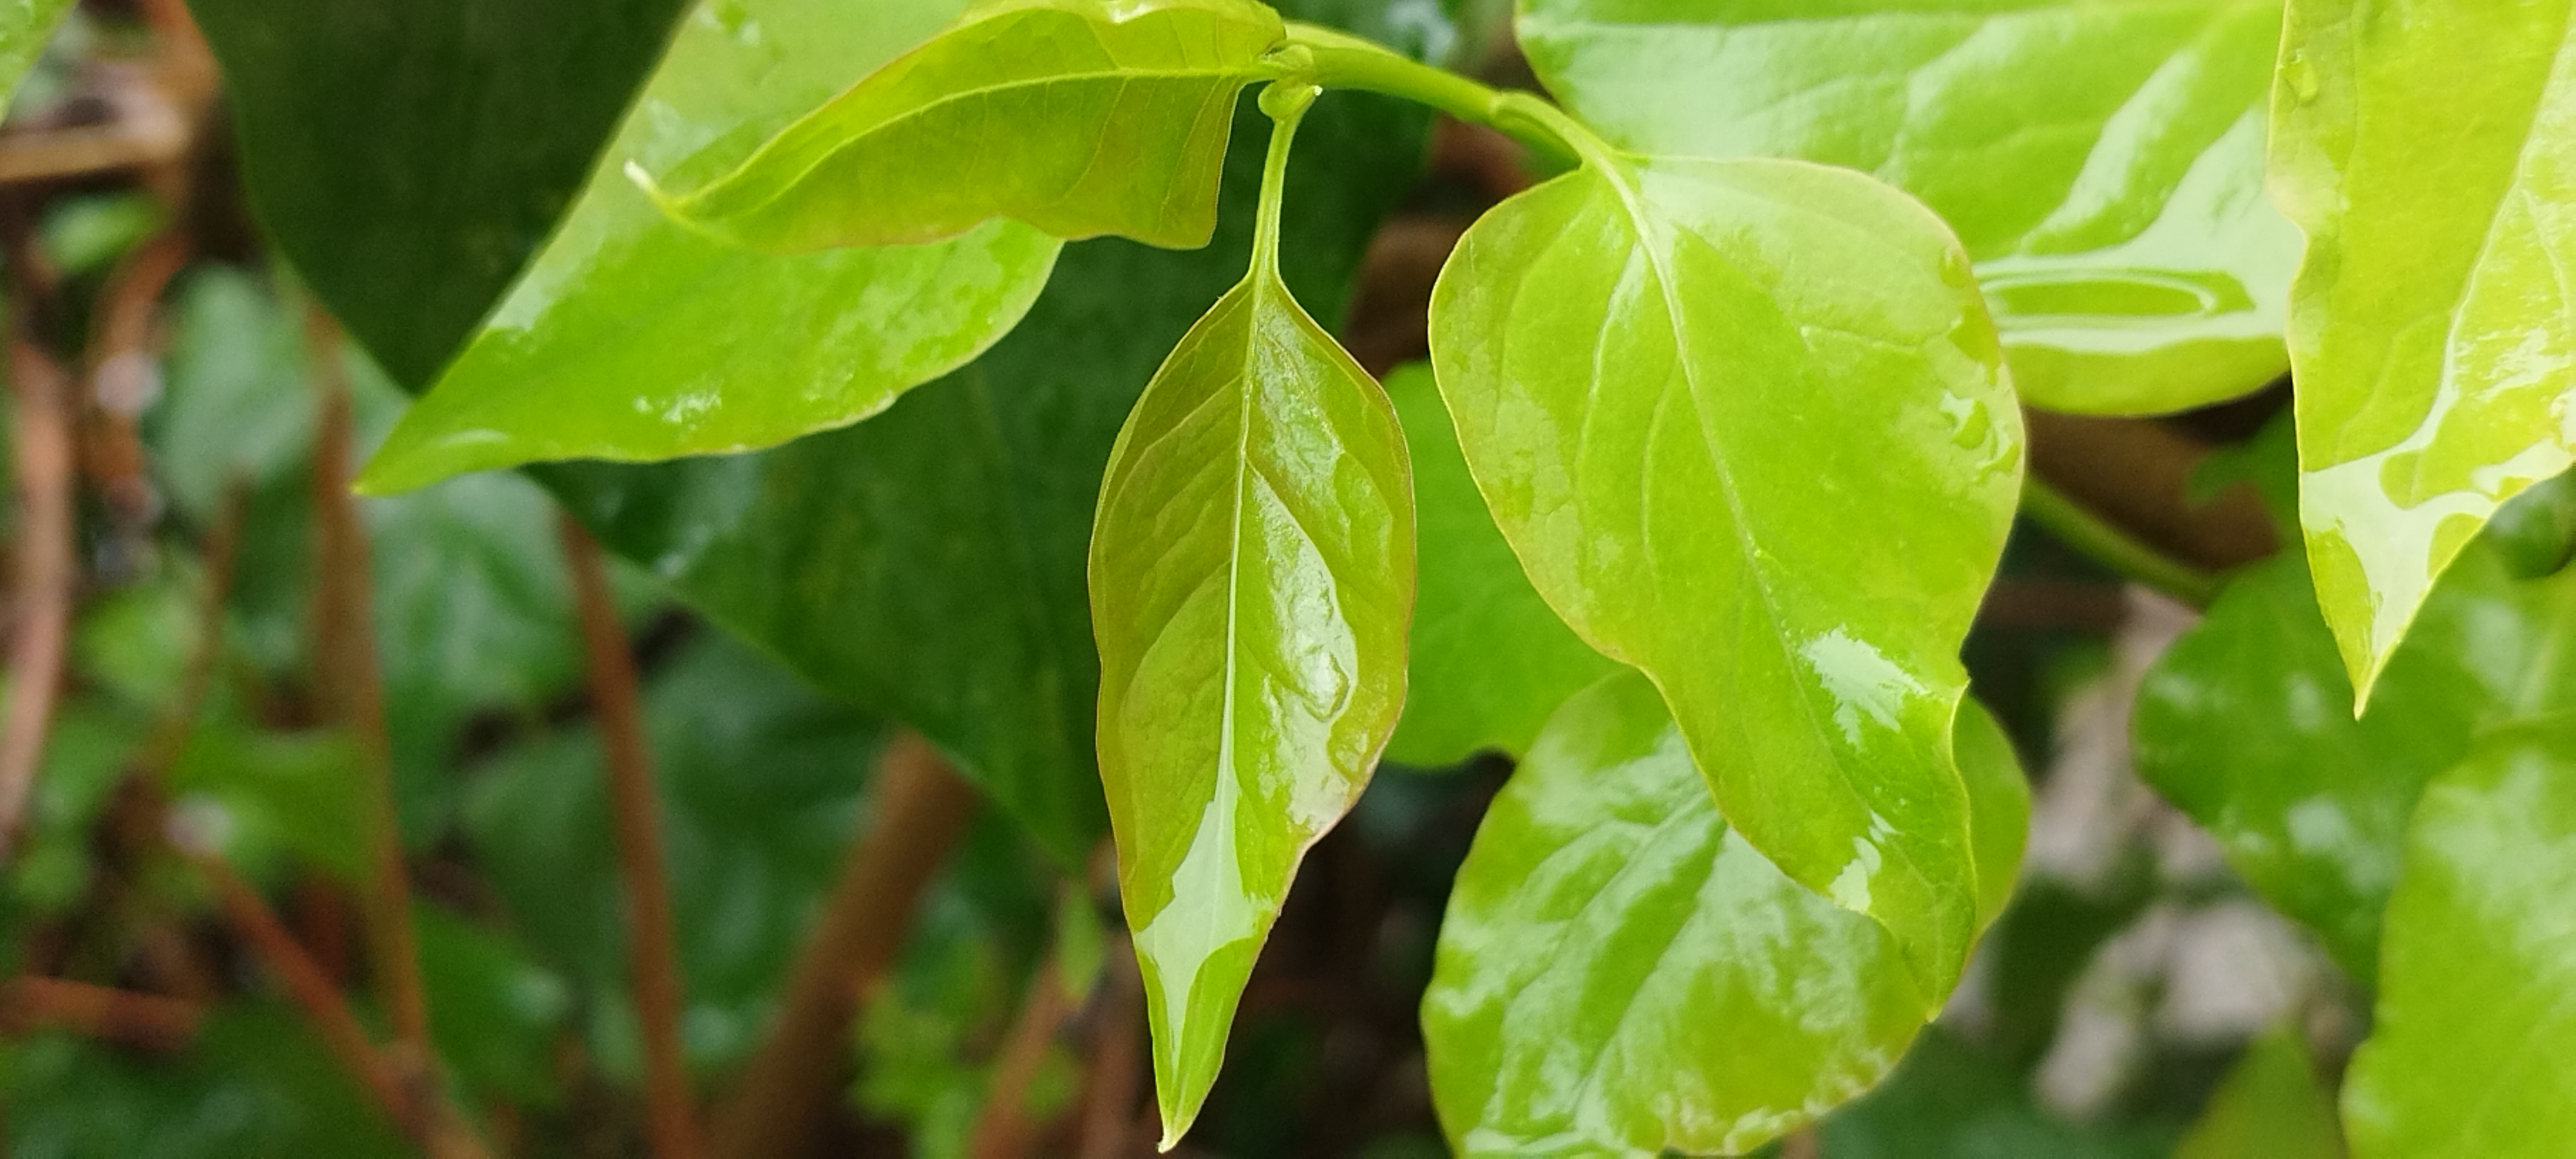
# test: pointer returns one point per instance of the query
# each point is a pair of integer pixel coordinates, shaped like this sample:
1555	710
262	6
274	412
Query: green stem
2114	548
1286	101
1337	60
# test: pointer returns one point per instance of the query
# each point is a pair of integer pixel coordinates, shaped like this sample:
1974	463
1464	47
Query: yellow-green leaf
1079	117
1746	426
2270	1106
2428	148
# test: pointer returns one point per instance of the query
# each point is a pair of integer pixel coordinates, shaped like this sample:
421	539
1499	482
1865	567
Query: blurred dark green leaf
494	1013
1946	1101
84	234
2270	1106
272	802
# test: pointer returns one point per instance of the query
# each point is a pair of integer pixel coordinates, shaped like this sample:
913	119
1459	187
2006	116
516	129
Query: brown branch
48	565
1117	1060
353	686
1002	1128
121	371
919	811
31	1002
616	701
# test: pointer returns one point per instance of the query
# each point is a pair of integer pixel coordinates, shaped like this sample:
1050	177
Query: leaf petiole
2113	547
1331	59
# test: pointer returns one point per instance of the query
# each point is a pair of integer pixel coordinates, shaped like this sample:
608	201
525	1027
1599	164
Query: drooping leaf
1491	660
1746	426
2269	1106
2473	1050
2102	159
1251	583
929	563
2429	151
2243	725
632	337
1621	974
408	157
1078	117
24	27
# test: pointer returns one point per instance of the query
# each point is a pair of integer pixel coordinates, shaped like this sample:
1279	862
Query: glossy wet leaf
407	158
2473	1047
2102	161
1619	973
1078	117
632	337
1251	582
1746	426
929	563
2426	149
25	25
2270	1106
2244	725
1490	659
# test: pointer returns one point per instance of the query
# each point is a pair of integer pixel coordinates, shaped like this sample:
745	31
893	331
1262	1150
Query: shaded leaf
2429	151
408	157
1490	659
2243	725
2103	162
1746	426
493	1013
2471	1049
1251	581
631	337
1078	117
1619	973
1946	1101
2270	1106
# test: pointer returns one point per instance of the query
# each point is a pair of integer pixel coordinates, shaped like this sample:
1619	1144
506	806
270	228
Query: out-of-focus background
191	633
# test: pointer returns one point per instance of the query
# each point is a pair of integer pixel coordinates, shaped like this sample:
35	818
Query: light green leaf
2429	151
2474	1047
1490	660
1621	974
2270	1106
2102	159
25	25
631	337
2242	725
1746	426
1251	578
1079	117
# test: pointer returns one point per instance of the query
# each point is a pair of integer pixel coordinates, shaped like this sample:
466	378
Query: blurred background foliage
173	237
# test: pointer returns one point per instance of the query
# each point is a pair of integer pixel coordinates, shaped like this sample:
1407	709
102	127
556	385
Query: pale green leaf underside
1251	575
1491	661
2243	725
25	26
1078	117
1620	974
2429	151
1745	425
2270	1106
2103	161
2473	1051
631	337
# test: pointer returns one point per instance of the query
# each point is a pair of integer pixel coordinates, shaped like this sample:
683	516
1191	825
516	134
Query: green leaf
1949	1101
2103	161
632	337
929	563
1746	426
25	25
2270	1106
408	157
1079	117
1620	973
1491	660
494	1014
2427	151
1251	581
2473	1051
2242	725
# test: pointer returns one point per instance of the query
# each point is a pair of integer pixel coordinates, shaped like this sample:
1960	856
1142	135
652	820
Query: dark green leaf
494	1014
1619	973
631	337
408	157
2103	162
2473	1052
1746	426
1490	659
1948	1102
2426	150
1078	117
